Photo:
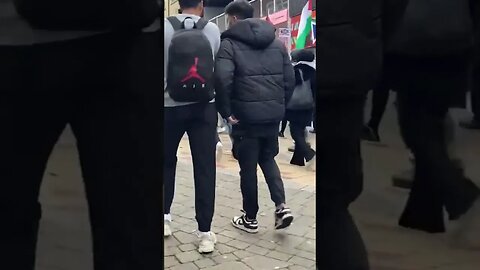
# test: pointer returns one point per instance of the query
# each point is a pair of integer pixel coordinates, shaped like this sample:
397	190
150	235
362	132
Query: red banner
278	17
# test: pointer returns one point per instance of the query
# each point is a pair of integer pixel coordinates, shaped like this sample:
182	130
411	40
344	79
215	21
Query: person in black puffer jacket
254	78
349	55
301	118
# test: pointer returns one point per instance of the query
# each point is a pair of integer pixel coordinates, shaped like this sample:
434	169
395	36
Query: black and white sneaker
244	224
283	218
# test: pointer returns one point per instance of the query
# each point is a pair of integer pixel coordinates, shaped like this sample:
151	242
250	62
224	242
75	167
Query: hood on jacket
306	55
254	32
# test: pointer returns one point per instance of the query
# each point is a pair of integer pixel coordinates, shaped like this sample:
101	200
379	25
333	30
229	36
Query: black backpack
90	15
190	63
433	28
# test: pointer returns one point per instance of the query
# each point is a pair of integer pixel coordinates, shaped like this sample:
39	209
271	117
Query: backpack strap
175	22
201	24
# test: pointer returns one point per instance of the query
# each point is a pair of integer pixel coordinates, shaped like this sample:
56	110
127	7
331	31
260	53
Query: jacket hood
254	32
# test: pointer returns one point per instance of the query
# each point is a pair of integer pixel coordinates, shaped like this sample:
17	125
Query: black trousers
303	152
106	88
379	104
340	181
438	182
475	94
253	151
199	121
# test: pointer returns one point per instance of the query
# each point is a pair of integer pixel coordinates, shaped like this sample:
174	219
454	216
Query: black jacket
253	74
350	38
443	75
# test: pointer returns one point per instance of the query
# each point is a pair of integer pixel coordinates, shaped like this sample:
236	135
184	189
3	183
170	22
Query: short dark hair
240	8
188	3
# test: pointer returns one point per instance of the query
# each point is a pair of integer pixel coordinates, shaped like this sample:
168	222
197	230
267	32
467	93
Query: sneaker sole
285	223
243	228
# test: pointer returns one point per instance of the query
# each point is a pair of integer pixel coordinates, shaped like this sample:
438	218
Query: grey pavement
292	248
379	207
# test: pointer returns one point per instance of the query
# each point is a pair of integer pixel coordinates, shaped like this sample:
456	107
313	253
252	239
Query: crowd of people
428	56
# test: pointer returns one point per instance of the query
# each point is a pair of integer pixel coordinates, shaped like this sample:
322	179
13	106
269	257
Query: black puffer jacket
349	47
253	74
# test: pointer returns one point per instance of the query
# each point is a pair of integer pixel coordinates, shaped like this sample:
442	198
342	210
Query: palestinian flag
305	27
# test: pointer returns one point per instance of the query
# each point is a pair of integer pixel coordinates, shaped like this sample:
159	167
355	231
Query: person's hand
232	120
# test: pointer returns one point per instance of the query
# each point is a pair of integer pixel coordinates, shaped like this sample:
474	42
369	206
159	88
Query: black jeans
476	92
106	88
253	151
340	181
379	104
303	152
199	121
438	181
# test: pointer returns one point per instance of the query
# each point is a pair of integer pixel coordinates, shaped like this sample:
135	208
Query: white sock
167	217
203	233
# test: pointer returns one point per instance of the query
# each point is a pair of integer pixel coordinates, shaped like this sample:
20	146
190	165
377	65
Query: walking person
61	66
380	95
429	68
283	126
474	122
254	77
299	110
191	43
350	53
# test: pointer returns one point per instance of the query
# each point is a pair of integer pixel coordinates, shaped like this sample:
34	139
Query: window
279	6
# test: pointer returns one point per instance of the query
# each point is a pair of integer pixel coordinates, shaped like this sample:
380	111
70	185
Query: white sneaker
219	151
167	220
207	241
311	164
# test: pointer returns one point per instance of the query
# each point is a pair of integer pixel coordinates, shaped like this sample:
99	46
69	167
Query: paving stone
301	261
238	244
187	247
267	244
264	263
279	255
257	250
188	256
230	266
223	249
204	263
169	251
185	238
224	258
187	266
170	261
298	267
241	254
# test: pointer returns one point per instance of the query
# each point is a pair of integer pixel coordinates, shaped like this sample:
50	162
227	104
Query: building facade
283	14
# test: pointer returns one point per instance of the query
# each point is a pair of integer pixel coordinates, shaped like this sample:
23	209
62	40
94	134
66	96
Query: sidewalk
292	248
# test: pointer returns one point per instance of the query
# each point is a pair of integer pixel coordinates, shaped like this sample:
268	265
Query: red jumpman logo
193	73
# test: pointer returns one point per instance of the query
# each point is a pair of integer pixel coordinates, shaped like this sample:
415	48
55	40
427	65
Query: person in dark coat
300	119
349	56
427	77
253	79
474	122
